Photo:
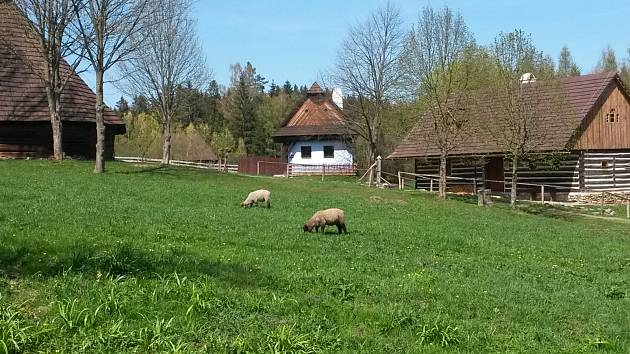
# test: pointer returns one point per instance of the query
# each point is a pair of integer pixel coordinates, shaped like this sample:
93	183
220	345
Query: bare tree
367	69
51	20
566	65
521	99
171	57
438	63
104	27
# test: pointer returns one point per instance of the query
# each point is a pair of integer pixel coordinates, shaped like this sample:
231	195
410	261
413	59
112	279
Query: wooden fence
201	165
261	165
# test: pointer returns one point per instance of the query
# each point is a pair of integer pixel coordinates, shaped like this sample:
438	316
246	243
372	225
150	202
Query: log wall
34	139
459	168
576	172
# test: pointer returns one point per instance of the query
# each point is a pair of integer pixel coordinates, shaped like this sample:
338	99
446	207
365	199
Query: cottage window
612	116
604	164
305	152
329	152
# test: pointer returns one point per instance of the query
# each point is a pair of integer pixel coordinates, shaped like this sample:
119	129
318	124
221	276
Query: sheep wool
261	195
326	217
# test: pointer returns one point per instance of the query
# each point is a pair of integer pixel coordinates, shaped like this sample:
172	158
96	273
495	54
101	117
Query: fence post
323	172
288	170
542	194
378	170
601	205
431	186
370	175
627	208
257	168
399	181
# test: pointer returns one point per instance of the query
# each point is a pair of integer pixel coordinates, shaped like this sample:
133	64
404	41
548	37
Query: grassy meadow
147	259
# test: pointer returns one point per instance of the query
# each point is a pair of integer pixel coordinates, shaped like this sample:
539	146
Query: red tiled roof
316	116
579	94
22	93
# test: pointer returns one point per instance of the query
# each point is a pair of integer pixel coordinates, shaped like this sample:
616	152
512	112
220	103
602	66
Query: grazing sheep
326	217
254	197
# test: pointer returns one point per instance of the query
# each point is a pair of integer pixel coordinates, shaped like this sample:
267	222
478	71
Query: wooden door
494	172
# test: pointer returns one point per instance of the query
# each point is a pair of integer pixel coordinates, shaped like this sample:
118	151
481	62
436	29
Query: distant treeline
248	112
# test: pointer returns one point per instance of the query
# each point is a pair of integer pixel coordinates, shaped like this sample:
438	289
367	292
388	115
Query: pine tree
607	61
274	90
624	72
566	65
242	101
122	106
287	88
140	104
214	115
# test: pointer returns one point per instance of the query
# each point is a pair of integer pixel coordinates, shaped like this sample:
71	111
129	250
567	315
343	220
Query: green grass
145	259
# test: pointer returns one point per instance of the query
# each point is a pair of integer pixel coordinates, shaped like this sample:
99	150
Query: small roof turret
315	90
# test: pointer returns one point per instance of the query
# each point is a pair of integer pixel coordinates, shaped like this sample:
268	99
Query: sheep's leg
268	203
323	229
343	227
339	228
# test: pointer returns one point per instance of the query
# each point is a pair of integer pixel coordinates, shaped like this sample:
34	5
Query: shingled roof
22	92
317	116
580	95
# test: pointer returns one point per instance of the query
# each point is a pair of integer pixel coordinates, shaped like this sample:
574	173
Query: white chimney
337	97
528	78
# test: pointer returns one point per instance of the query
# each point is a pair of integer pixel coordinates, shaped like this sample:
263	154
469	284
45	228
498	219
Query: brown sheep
326	217
254	197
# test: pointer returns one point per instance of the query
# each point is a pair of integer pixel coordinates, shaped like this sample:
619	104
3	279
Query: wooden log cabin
576	160
25	129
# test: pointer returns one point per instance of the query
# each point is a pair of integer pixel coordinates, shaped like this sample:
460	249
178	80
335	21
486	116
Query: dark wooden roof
317	116
315	89
580	95
22	92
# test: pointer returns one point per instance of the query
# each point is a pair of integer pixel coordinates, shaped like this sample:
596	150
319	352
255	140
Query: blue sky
296	40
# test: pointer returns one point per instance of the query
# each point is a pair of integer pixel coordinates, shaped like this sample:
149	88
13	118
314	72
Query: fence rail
294	170
192	164
625	198
478	182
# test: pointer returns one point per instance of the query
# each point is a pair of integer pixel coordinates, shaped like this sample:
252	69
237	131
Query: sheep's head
246	205
307	228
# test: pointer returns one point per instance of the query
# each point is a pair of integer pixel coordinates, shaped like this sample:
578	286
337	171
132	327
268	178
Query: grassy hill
146	259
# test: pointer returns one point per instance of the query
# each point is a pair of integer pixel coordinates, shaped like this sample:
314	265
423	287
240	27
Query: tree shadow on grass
128	260
160	169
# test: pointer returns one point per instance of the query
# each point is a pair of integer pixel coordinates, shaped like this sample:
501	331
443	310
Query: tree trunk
99	166
166	141
372	157
442	188
57	132
513	191
54	105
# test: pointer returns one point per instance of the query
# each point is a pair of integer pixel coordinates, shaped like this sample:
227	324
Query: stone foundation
596	198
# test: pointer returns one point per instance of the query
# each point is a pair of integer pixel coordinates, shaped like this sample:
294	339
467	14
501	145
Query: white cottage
316	135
